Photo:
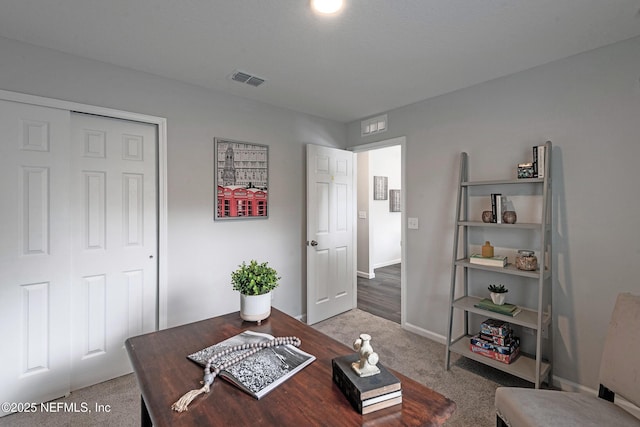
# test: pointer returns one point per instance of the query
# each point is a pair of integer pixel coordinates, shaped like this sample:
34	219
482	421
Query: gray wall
201	253
589	106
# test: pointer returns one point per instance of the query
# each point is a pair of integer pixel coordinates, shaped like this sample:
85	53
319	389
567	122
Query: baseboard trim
387	263
366	275
425	333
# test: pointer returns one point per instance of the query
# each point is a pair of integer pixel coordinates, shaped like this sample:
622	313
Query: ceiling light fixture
326	6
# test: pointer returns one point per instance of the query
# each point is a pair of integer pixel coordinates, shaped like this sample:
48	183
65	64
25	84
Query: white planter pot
498	298
255	308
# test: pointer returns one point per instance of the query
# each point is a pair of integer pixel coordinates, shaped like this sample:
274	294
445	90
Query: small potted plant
498	293
255	281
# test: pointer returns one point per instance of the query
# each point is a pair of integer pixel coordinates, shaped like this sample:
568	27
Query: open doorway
380	207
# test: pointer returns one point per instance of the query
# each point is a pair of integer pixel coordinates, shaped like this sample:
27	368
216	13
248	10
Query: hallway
381	295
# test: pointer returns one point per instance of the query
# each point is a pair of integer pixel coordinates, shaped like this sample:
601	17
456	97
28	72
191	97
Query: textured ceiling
374	56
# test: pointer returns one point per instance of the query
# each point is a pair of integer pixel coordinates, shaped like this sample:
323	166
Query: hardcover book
495	261
506	309
261	372
362	391
380	402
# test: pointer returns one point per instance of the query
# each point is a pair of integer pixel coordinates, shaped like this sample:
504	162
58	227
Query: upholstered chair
619	374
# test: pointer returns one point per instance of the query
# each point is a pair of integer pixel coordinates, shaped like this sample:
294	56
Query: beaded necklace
209	375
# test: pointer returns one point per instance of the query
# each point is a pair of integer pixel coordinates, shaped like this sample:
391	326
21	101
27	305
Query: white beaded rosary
182	403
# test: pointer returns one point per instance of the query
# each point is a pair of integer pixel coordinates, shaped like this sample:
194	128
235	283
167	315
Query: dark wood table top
309	398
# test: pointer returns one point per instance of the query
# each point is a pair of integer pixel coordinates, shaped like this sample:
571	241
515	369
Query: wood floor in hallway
381	295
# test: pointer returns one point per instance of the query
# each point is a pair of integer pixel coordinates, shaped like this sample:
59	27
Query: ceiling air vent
242	77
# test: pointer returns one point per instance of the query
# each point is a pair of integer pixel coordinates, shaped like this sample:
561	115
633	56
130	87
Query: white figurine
368	358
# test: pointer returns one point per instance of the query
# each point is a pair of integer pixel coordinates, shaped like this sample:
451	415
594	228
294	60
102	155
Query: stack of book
496	341
538	161
366	394
506	309
494	261
496	207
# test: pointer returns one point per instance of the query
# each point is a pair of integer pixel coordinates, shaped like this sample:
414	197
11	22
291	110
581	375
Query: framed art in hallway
380	186
394	200
241	175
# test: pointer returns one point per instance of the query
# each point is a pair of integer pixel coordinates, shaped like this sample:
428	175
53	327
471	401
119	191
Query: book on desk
261	372
366	394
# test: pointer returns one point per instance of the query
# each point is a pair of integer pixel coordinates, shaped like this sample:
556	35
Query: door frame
161	123
402	142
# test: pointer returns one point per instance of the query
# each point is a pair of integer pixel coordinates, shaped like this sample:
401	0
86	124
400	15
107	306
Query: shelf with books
468	271
527	317
510	268
524	366
522	225
502	182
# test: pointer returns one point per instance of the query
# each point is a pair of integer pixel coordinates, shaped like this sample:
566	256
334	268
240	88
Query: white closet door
114	248
34	253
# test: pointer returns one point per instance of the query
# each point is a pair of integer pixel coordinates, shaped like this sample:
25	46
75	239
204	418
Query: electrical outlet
545	332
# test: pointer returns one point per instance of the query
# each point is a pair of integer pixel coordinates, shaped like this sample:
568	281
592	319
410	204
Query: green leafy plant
498	289
254	278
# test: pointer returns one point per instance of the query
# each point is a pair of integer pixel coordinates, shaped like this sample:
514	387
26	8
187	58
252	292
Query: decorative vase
255	308
487	216
498	298
487	250
509	217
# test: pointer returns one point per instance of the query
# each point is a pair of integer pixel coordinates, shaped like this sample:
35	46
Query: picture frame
394	200
380	186
241	180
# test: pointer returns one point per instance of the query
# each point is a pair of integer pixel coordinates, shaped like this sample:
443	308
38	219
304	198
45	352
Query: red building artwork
242	177
236	201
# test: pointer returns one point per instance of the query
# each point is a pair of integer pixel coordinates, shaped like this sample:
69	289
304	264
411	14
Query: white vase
498	298
255	308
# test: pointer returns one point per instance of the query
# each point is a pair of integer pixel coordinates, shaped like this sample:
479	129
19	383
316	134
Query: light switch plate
413	223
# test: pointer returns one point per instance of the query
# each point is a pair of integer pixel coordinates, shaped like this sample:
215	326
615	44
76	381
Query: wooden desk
309	398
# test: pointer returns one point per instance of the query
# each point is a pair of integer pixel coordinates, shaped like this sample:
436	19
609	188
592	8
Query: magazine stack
496	341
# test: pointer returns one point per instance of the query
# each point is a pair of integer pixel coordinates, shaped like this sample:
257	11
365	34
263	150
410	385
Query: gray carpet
470	384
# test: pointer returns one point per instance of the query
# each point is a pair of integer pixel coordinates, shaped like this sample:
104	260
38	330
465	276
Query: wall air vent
373	125
242	77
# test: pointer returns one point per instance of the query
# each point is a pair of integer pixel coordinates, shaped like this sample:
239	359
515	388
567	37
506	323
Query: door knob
313	243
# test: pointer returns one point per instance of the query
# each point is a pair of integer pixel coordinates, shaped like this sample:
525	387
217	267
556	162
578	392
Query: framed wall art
380	185
394	200
241	174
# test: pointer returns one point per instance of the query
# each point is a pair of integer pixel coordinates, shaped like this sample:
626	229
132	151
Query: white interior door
114	247
331	272
34	253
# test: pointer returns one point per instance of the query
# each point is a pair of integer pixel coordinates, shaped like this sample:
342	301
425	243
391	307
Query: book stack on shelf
496	207
494	261
496	341
366	394
506	309
534	169
538	161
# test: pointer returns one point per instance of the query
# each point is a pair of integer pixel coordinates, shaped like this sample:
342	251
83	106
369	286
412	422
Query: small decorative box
525	170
